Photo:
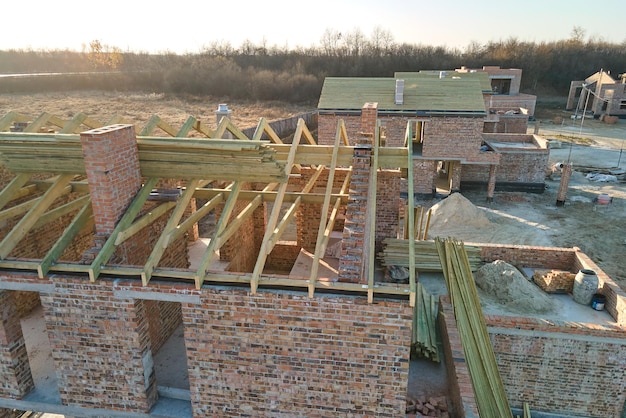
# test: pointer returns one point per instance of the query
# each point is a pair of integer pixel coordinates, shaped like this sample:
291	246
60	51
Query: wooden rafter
11	189
144	221
266	244
172	223
411	213
38	123
22	228
264	128
226	125
320	248
270	196
10	118
219	229
79	222
371	215
72	125
62	210
127	219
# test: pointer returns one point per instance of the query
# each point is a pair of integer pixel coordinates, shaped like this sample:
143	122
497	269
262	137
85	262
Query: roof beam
78	223
219	229
144	221
172	223
12	188
12	239
371	216
56	213
127	219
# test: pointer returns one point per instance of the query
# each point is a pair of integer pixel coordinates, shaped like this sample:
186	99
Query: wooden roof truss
262	158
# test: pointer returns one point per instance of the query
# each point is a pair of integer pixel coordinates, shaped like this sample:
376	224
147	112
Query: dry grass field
137	108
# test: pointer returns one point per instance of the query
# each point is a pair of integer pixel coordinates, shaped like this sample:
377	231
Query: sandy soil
515	218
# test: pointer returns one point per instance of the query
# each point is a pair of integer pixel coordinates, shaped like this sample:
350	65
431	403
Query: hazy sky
186	25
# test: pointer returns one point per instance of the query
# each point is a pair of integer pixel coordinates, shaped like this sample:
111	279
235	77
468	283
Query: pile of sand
457	211
502	284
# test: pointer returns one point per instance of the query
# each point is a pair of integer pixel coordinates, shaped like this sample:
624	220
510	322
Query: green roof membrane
422	94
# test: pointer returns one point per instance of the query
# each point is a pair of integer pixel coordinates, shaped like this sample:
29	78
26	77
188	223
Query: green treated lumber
238	221
411	220
150	126
187	127
71	126
264	128
159	248
370	256
229	206
62	210
20	230
68	235
196	216
38	123
144	221
127	219
12	188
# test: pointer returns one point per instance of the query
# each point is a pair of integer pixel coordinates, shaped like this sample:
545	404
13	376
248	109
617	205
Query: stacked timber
424	338
488	388
396	253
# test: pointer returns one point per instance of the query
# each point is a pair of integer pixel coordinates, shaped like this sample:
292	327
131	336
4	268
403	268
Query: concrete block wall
101	346
282	354
561	367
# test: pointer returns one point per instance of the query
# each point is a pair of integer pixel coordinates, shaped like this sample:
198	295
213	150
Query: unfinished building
285	312
463	137
599	94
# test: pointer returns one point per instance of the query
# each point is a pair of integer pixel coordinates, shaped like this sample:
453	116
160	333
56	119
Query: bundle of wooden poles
396	253
424	339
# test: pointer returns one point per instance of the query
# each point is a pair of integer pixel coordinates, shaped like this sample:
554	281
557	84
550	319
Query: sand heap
502	284
457	211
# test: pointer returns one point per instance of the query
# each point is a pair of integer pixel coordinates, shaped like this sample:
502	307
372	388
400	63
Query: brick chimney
112	165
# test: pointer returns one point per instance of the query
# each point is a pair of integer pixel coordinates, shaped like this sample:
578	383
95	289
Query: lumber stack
481	362
424	338
396	253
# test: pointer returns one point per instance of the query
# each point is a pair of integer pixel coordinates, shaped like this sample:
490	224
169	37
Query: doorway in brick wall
443	177
38	347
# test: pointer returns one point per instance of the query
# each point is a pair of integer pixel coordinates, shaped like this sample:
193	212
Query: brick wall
242	248
460	391
163	319
449	138
25	302
515	167
283	354
15	376
424	177
100	346
282	258
388	204
510	124
561	367
529	256
327	127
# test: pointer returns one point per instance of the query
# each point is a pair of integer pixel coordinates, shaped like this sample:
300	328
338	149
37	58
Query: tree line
262	72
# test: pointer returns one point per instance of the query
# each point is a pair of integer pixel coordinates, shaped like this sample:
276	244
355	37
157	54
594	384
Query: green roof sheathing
423	94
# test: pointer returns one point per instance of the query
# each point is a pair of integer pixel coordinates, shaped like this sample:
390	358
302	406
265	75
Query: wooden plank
7	120
271	224
186	128
203	129
161	245
371	216
72	125
70	232
238	221
13	188
264	128
62	210
166	127
226	125
270	196
411	225
219	229
144	221
195	217
129	216
38	123
12	239
150	126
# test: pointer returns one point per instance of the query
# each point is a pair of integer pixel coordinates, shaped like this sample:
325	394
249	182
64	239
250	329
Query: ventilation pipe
399	92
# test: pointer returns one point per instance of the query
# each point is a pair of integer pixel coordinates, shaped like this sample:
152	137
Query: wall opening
38	348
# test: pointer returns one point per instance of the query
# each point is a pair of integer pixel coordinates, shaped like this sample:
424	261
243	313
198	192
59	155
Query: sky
187	26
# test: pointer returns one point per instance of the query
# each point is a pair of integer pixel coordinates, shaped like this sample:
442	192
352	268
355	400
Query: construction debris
427	407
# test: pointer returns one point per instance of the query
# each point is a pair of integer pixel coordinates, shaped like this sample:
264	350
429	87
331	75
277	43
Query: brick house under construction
600	94
464	134
96	223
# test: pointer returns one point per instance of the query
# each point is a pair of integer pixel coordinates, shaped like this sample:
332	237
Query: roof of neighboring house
424	94
482	76
602	76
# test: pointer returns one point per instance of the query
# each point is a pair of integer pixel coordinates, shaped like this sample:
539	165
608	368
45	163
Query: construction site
196	271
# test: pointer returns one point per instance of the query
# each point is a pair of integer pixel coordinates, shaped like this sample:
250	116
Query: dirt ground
515	218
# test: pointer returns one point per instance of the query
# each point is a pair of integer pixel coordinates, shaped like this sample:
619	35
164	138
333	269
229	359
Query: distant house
448	115
600	94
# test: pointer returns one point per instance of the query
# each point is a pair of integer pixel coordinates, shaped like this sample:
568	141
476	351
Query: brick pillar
455	185
369	115
352	257
491	183
566	174
101	347
113	172
15	376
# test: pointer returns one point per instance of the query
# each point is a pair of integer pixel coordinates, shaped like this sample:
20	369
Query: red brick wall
276	354
515	167
560	367
424	176
327	127
15	377
448	138
388	204
282	258
100	346
529	256
163	319
25	302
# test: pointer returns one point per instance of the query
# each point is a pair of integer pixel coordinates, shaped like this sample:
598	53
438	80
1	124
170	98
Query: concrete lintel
159	296
28	287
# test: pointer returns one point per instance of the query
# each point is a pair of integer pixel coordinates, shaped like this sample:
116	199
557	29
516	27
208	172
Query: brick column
352	257
369	115
491	183
566	174
455	167
113	172
15	376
